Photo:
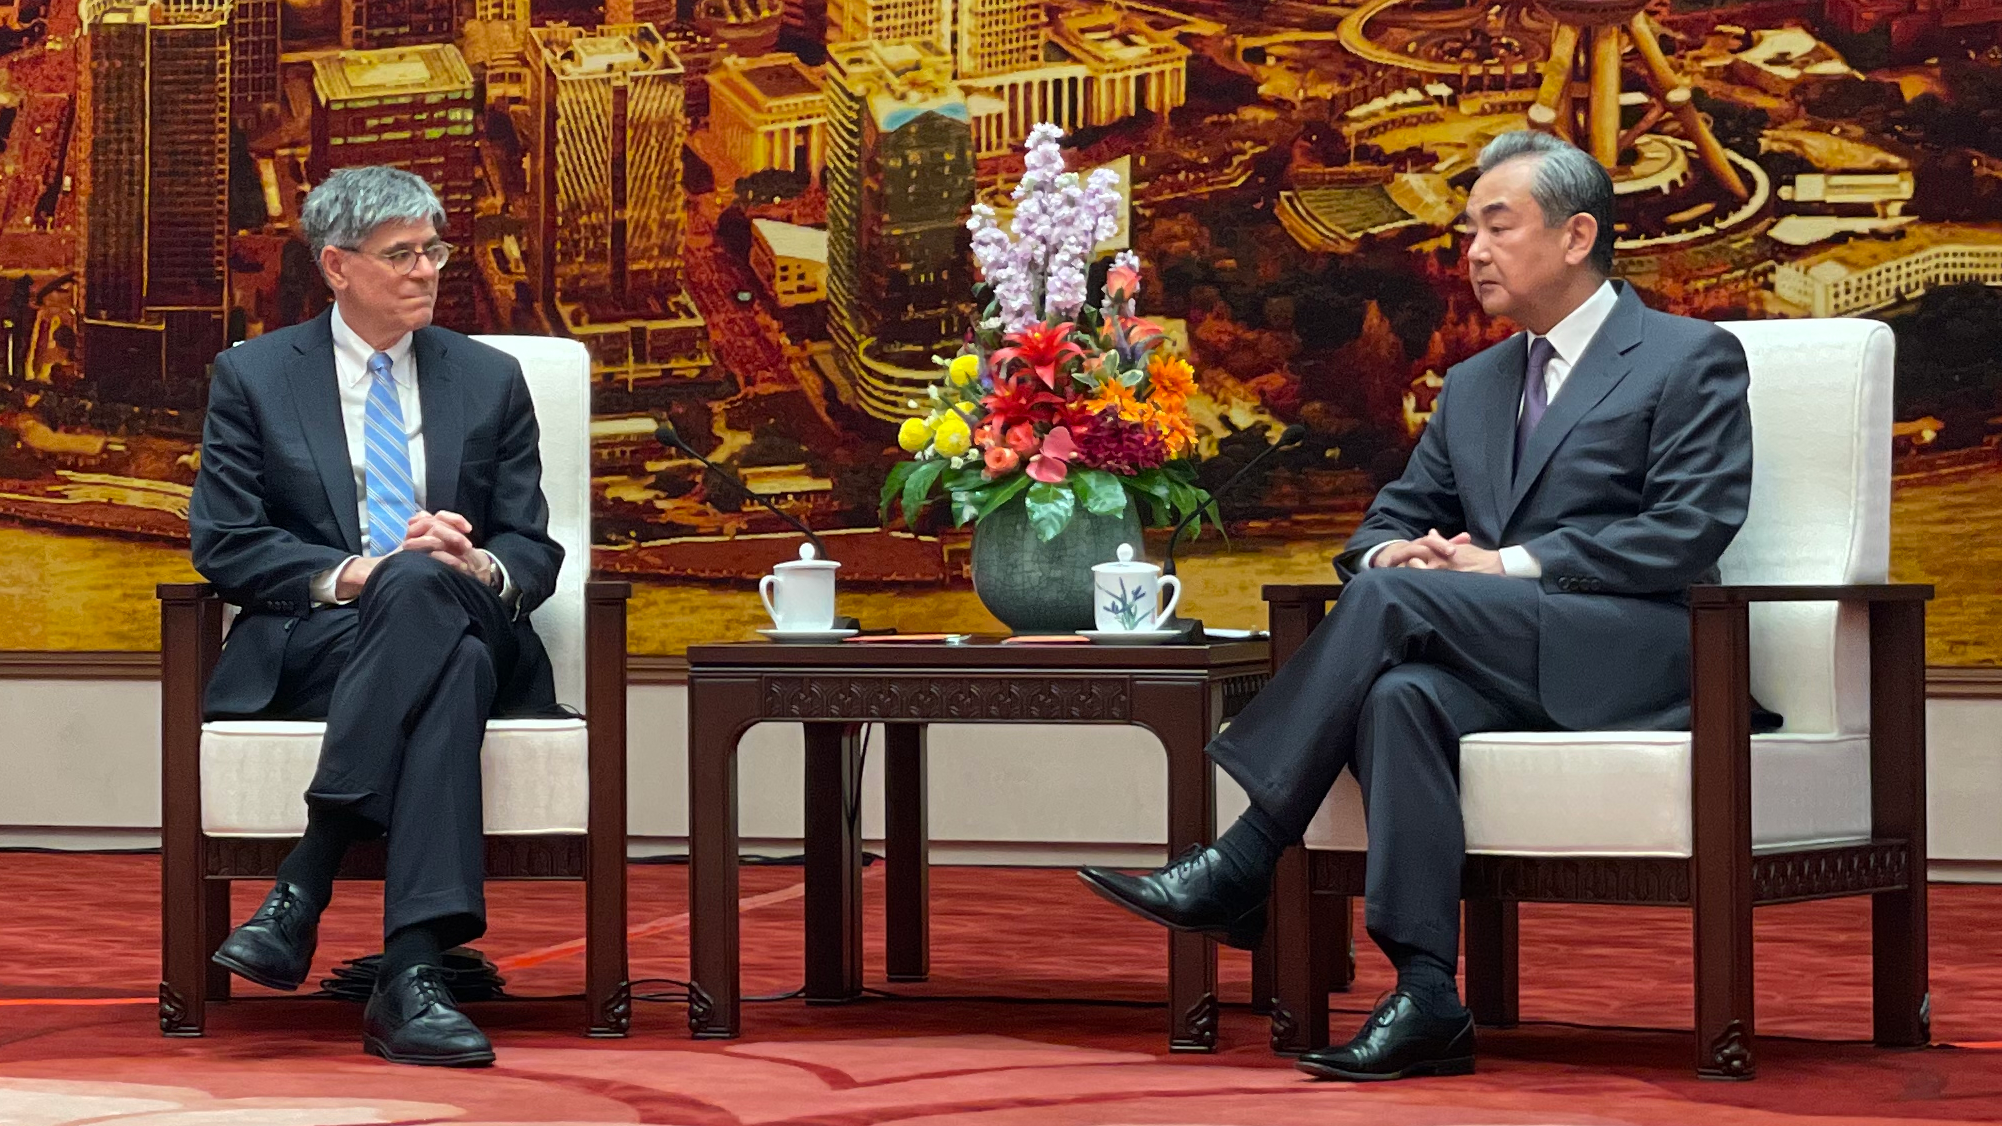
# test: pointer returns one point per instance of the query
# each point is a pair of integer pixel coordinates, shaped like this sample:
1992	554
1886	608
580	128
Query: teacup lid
807	558
1126	563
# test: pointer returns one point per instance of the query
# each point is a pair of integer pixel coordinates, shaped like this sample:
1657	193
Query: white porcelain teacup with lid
1126	594
799	593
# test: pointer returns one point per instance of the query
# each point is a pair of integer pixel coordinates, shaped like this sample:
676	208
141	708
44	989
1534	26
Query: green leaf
1050	508
899	473
966	506
1100	491
1153	482
1001	494
966	479
917	486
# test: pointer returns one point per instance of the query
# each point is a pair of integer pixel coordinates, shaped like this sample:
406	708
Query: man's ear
1581	231
333	268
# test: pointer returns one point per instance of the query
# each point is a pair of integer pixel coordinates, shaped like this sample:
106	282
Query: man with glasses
370	497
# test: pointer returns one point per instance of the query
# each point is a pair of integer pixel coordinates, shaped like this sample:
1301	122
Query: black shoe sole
1246	932
375	1047
1424	1069
249	973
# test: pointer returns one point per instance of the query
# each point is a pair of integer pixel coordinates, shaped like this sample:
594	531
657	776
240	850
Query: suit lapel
1501	397
444	421
1606	361
316	393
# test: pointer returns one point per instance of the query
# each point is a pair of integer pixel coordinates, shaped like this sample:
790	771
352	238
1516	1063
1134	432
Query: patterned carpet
1605	998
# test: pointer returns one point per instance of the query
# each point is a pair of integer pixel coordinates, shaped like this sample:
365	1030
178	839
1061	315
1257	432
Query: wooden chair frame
1725	878
196	869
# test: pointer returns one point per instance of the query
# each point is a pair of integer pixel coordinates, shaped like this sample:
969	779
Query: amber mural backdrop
753	215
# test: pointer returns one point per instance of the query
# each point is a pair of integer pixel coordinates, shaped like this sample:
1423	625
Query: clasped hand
1434	552
444	536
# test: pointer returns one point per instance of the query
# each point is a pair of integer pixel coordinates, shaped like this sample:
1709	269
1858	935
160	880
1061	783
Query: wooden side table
1181	693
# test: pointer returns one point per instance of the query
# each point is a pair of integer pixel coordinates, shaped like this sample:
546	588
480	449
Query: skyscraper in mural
398	23
412	108
607	121
899	183
253	59
998	36
155	190
890	22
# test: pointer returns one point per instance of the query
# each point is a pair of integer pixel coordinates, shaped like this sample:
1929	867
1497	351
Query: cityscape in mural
752	212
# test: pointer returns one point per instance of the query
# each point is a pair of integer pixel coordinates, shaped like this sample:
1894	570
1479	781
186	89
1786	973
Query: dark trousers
406	679
1407	663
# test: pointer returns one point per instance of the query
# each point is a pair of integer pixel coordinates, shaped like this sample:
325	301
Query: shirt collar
1570	336
350	345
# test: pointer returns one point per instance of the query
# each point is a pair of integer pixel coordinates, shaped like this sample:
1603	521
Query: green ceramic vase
1045	587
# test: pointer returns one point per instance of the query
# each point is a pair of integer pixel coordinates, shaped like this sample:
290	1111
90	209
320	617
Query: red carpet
1605	994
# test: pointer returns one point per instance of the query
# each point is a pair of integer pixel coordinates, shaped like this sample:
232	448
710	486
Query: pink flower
1122	281
1049	466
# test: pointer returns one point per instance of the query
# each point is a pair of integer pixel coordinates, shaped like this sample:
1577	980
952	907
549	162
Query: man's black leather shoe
1196	892
275	947
411	1018
1401	1041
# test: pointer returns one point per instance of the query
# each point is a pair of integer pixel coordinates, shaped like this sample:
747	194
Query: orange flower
1000	460
1114	395
1171	376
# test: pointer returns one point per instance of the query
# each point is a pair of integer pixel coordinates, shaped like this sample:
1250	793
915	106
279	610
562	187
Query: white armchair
1716	819
554	790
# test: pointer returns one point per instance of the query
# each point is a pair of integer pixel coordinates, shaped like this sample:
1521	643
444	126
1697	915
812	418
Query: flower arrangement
1065	404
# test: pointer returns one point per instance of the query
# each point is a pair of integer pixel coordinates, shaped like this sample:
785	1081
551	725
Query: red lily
1043	347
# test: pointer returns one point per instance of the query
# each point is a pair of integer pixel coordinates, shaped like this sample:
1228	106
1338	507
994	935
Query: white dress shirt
1568	340
351	374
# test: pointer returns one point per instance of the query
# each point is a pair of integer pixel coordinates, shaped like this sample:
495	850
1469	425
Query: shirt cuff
1369	557
326	582
510	595
1518	563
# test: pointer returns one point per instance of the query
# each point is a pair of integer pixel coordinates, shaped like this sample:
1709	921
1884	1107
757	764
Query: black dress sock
1252	846
1426	979
311	864
418	944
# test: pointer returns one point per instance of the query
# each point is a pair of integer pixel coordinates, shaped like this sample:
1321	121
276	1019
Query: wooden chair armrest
1725	594
184	592
1322	593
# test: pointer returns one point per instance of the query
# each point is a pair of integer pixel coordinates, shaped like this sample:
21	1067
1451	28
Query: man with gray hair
1528	571
370	497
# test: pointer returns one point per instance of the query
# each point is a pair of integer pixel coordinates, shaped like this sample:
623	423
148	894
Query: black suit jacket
274	503
1631	487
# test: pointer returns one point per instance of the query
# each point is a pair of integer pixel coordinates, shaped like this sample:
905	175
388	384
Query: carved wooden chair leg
1299	1008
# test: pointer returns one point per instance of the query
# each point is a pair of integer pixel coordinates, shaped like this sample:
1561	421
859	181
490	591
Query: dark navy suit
407	675
1628	491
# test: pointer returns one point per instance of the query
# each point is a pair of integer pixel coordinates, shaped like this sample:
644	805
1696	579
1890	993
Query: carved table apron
1180	693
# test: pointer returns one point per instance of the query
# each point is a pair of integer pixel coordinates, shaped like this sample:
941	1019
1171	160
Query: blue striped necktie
392	497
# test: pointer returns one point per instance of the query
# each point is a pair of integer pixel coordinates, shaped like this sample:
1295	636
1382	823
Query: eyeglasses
404	259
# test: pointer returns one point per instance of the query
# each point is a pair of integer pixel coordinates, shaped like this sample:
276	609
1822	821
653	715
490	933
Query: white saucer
807	636
1129	636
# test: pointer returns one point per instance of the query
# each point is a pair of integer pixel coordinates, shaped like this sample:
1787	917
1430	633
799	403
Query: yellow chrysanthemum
963	369
913	435
1171	377
1113	394
953	436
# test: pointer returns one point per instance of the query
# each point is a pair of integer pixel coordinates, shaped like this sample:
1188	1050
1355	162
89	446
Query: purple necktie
1534	398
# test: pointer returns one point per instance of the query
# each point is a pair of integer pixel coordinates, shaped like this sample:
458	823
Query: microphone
1291	436
667	436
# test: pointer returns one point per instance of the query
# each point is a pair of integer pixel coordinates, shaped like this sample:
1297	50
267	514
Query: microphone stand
1192	628
668	436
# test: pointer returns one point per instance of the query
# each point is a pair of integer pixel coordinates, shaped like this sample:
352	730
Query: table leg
718	713
907	883
833	862
1184	717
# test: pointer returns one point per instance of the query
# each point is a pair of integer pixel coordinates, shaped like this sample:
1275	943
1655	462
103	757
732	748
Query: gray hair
351	203
1568	182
